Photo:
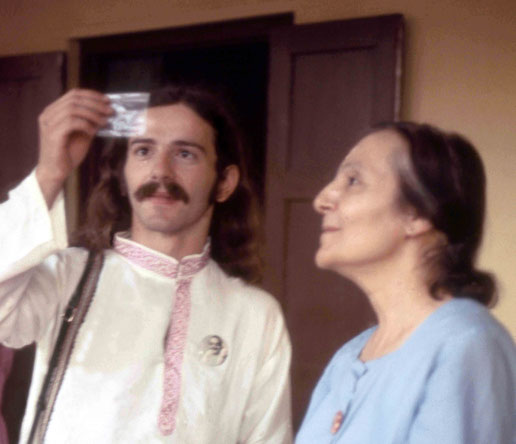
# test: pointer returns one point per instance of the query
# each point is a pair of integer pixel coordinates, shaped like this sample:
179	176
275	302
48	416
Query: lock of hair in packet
129	117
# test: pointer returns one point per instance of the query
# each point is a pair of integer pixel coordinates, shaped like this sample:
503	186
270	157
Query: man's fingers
80	104
73	111
82	95
74	101
88	94
71	124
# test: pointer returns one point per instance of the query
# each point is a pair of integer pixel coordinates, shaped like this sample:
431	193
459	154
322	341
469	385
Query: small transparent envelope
129	118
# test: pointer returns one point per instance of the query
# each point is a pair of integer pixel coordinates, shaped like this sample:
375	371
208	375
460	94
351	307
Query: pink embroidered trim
174	352
184	271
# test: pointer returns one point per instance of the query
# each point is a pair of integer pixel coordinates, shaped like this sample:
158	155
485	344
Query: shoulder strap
73	317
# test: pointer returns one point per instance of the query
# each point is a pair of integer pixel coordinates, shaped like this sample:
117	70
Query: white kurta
113	386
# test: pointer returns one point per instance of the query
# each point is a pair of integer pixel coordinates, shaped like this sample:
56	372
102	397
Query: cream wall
460	73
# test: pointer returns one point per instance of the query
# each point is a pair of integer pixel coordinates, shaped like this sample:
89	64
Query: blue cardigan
453	381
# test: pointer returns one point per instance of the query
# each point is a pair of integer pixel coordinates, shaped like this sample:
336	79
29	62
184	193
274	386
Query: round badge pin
213	350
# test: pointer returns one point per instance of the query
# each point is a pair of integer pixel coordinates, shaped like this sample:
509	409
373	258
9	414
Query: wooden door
27	85
328	83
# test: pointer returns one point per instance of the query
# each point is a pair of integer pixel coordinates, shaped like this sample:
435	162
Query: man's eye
186	154
141	151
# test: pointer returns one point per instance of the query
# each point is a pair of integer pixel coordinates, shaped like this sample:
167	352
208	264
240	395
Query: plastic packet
129	119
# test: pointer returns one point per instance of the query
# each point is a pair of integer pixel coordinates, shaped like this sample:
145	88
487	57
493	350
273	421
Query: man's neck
172	245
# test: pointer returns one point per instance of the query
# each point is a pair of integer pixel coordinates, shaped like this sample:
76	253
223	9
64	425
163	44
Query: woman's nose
324	201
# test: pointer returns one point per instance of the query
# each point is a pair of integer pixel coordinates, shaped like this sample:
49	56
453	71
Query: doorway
231	58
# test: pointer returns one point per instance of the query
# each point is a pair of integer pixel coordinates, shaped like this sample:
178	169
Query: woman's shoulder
462	317
466	330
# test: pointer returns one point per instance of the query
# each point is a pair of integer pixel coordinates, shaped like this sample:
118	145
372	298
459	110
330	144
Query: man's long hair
234	226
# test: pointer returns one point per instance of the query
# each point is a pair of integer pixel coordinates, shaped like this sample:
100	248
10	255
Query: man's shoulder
238	290
69	258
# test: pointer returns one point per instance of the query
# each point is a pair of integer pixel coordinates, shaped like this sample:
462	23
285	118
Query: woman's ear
416	225
228	183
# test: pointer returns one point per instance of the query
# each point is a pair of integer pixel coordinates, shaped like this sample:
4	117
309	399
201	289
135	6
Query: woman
403	219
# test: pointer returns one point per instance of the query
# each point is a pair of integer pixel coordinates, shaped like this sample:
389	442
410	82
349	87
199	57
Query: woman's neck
401	300
395	326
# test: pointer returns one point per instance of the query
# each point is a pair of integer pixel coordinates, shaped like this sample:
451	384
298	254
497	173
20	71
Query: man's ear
227	183
123	187
122	184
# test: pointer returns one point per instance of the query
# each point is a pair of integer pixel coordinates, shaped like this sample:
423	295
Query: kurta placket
183	272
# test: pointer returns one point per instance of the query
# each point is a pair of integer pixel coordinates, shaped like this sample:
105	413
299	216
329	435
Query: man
172	214
6	361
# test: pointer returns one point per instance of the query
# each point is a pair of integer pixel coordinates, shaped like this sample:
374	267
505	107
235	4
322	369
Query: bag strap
73	317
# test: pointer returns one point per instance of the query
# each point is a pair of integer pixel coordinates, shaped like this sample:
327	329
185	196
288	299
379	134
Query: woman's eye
352	180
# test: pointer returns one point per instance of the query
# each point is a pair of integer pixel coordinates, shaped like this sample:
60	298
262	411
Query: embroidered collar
158	262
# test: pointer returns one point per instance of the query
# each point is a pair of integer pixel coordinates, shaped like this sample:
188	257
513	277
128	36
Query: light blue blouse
453	381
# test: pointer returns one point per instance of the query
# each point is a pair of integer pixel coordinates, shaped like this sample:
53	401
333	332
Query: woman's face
362	222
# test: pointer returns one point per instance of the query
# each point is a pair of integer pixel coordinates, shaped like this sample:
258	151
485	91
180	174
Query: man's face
215	344
170	173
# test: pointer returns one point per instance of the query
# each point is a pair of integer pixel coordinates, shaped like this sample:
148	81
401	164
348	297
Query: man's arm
33	222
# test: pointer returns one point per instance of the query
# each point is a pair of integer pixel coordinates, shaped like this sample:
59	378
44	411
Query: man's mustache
173	189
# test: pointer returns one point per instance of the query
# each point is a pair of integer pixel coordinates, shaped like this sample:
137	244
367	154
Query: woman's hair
445	184
234	225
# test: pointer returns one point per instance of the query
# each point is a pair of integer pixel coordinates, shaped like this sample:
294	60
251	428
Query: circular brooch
213	350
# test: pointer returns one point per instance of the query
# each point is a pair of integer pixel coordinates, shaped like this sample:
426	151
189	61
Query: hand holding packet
129	117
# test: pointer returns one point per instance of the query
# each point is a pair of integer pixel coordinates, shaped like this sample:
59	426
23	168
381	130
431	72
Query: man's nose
163	166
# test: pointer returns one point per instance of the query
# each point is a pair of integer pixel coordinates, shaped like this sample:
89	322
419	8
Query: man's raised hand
66	129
